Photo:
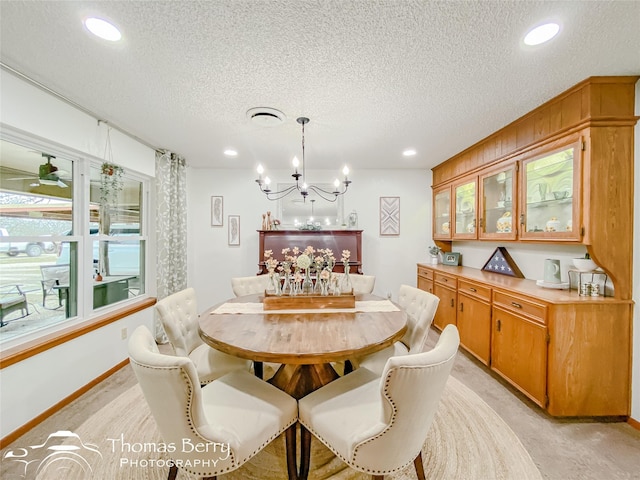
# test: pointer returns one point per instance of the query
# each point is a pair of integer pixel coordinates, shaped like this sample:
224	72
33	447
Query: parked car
32	249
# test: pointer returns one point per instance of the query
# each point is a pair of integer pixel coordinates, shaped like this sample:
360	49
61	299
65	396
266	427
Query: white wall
36	384
391	259
27	108
33	385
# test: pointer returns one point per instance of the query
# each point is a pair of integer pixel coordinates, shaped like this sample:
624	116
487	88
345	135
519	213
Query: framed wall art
217	211
451	258
389	216
234	230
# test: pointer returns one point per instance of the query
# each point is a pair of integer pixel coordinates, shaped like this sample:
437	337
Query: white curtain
171	227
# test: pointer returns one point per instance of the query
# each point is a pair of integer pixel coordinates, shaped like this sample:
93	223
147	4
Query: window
54	238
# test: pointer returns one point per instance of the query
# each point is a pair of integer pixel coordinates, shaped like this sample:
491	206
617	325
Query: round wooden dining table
304	342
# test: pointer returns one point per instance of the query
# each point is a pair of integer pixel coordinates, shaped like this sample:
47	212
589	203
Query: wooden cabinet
550	192
572	162
519	353
445	288
465	202
571	355
336	240
519	346
497	204
442	213
425	279
474	319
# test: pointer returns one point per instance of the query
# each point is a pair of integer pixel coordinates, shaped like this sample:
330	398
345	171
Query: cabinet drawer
521	306
425	273
448	280
474	289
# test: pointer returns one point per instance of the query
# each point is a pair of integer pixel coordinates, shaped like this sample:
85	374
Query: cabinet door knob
452	302
498	325
517	305
472	289
461	305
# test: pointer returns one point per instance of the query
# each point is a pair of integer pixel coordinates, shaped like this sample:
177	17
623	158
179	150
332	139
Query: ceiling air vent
265	117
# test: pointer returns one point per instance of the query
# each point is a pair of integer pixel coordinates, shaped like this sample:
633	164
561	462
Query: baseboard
62	403
634	423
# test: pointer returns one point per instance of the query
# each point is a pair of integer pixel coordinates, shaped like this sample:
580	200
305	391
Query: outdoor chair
12	298
54	275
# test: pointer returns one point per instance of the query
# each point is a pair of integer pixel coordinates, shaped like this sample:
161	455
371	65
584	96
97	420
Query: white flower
303	262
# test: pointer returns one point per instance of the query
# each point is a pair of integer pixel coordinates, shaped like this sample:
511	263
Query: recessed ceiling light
409	152
229	152
541	34
103	29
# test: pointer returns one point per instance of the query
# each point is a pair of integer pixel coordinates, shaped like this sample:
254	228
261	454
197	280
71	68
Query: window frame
86	315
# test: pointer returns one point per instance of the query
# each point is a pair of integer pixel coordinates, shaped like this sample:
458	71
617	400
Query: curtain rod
70	102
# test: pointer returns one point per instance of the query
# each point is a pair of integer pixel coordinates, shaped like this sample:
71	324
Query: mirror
294	210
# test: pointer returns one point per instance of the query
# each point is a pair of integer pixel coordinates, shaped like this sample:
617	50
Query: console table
336	240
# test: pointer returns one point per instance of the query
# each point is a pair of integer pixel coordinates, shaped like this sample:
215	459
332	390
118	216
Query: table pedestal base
300	380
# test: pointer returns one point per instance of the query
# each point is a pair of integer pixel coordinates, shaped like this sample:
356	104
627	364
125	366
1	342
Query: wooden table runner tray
306	302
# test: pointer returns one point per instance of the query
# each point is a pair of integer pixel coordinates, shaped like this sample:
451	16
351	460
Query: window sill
22	352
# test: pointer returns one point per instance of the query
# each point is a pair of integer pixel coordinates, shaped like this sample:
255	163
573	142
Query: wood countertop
520	285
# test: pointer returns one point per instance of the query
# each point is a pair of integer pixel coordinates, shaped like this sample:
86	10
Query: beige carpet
468	440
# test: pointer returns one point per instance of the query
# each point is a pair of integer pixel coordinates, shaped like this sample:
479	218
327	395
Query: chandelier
340	188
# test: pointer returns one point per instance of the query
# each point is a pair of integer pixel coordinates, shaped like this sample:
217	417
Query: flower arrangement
435	251
302	263
307	259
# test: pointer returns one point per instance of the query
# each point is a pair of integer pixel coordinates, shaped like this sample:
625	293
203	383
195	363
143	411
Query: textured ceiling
374	77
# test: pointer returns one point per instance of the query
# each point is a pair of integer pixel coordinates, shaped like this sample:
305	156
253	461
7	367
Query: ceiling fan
48	174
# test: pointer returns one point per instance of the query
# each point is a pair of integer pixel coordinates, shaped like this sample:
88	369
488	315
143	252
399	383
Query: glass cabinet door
550	195
465	224
497	206
442	213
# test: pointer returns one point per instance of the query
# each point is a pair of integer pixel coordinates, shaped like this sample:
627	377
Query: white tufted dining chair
179	316
378	425
249	285
223	424
361	283
421	307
